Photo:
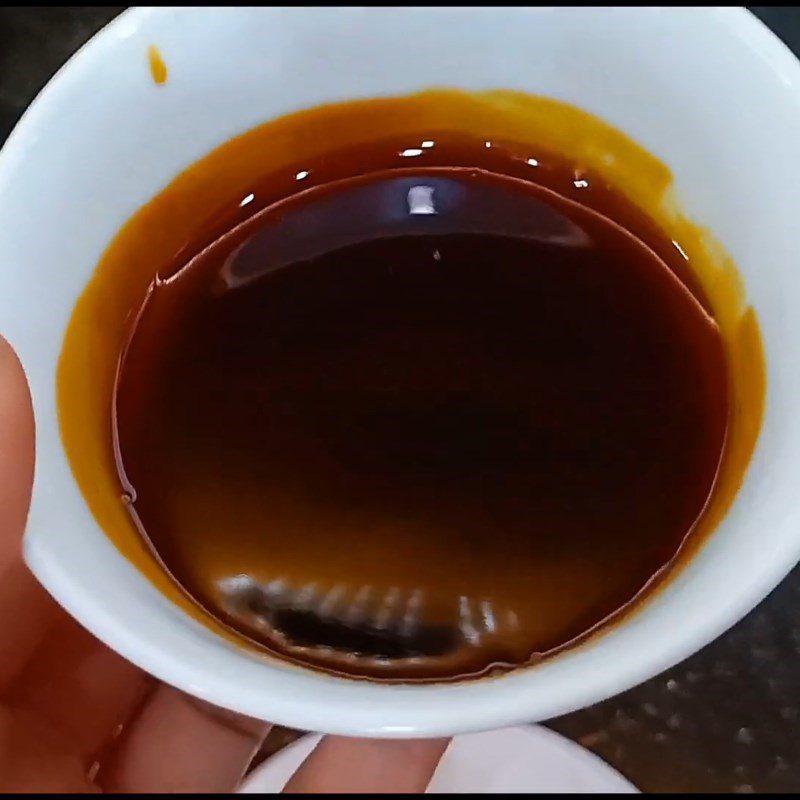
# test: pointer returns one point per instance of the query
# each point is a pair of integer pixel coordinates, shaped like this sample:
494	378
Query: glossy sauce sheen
425	420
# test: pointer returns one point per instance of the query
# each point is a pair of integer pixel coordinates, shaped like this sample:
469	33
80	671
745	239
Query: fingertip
180	744
375	766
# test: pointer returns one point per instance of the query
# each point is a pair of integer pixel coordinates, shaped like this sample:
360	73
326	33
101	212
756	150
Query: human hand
76	717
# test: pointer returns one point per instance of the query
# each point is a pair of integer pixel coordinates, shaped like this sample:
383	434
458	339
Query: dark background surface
727	719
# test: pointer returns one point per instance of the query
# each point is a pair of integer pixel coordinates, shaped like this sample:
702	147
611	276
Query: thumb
25	609
16	452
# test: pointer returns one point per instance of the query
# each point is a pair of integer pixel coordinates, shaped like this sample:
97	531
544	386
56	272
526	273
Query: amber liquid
423	421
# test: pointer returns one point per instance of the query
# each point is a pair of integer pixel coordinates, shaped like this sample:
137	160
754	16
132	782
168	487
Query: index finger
340	765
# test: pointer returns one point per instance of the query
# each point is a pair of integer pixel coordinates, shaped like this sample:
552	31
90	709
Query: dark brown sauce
425	421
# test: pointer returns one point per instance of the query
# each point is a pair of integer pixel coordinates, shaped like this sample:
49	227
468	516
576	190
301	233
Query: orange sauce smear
204	201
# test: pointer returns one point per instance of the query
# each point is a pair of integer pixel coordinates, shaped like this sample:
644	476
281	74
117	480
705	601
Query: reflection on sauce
553	145
158	69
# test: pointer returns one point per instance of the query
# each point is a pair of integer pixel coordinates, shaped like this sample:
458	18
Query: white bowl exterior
711	92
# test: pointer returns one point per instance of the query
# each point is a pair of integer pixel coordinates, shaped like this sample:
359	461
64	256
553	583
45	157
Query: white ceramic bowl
711	92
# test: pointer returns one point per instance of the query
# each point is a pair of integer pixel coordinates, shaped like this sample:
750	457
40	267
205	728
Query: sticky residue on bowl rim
158	68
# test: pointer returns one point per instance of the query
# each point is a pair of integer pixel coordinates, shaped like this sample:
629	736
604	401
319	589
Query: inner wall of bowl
212	188
675	80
